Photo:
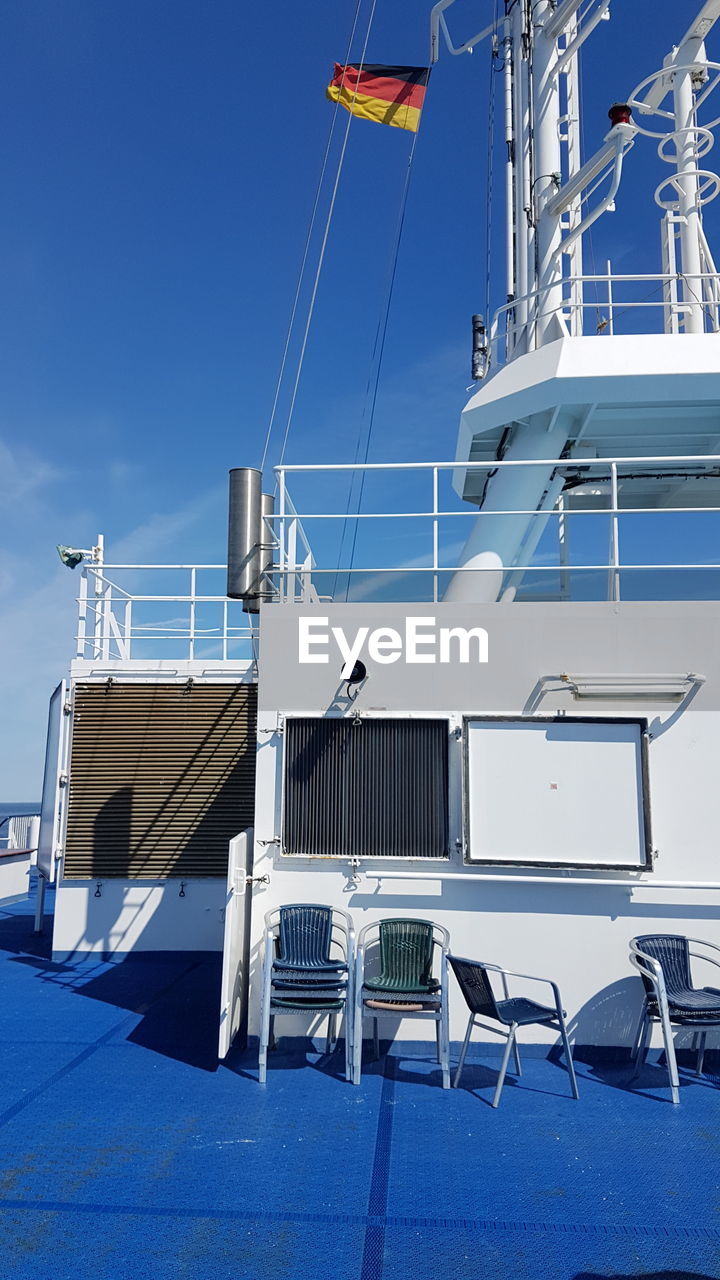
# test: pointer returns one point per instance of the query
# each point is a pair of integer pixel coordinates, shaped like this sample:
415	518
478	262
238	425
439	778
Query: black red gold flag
387	95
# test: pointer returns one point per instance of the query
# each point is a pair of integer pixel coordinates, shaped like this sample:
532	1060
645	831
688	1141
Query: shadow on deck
126	1150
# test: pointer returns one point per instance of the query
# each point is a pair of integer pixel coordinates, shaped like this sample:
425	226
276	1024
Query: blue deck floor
127	1152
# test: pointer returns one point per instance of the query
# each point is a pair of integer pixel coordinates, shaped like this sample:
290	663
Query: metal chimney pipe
251	603
244	532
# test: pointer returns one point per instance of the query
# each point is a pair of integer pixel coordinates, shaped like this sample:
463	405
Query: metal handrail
573	302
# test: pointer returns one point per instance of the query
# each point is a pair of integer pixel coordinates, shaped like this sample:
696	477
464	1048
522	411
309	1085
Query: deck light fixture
71	556
660	688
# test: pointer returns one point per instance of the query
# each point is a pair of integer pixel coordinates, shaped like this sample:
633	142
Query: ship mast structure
554	384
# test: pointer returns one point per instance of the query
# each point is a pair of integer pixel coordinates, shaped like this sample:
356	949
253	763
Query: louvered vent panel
378	788
161	778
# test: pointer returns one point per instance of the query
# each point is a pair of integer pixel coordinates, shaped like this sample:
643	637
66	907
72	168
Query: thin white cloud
23	473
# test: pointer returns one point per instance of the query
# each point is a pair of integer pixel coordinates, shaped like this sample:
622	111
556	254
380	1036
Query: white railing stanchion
128	628
82	615
193	593
614	578
282	551
435	535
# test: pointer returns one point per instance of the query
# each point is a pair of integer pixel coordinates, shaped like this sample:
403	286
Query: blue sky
160	159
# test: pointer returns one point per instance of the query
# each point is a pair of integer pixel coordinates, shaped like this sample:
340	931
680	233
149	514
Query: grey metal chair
308	967
511	1012
664	964
408	985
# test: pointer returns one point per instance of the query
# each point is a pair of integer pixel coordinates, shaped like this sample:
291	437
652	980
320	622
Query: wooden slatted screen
162	776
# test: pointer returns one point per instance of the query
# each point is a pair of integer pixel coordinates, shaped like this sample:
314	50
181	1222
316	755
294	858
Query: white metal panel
233	990
14	872
118	916
54	790
555	792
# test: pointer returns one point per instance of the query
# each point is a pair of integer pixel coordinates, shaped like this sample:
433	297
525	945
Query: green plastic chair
406	985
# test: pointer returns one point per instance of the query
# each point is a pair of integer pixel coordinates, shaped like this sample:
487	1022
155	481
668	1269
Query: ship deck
127	1150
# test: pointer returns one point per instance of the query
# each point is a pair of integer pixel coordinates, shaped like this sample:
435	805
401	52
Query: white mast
552	200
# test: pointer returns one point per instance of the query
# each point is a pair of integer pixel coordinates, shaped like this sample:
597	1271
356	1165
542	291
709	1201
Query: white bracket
438	23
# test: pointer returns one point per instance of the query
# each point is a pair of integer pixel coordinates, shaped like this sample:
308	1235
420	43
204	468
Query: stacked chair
412	982
663	962
308	967
399	969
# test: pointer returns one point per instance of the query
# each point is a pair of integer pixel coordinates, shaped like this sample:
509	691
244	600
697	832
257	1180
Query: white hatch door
236	946
557	793
54	792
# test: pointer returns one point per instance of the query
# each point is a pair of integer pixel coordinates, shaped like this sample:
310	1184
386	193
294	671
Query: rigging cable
323	247
306	250
378	349
381	331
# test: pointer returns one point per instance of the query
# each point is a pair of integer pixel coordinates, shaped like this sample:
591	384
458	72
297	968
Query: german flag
387	95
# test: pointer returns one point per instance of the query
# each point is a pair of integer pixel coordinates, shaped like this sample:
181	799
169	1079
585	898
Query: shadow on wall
611	1018
111	828
611	1013
170	838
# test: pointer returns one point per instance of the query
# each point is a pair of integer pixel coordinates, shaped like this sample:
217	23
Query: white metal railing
129	612
20	831
121	608
553	562
648	303
580	543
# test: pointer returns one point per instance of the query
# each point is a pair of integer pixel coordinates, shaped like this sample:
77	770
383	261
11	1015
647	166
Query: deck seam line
371	1267
374	1220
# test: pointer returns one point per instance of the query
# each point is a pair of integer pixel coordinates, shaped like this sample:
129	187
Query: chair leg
272	1038
639	1034
463	1051
376	1039
265	1036
357	1040
701	1053
331	1039
568	1058
349	1015
438	1041
670	1055
444	1025
349	1026
645	1030
516	1055
504	1064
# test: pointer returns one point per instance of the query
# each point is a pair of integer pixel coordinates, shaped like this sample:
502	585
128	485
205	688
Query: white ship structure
517	740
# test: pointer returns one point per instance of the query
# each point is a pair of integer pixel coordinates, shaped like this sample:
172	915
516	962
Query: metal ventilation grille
162	776
371	789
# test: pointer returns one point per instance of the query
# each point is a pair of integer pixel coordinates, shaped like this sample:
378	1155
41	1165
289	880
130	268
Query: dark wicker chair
302	975
511	1012
664	964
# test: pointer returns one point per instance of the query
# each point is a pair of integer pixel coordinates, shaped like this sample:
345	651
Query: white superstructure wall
571	924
